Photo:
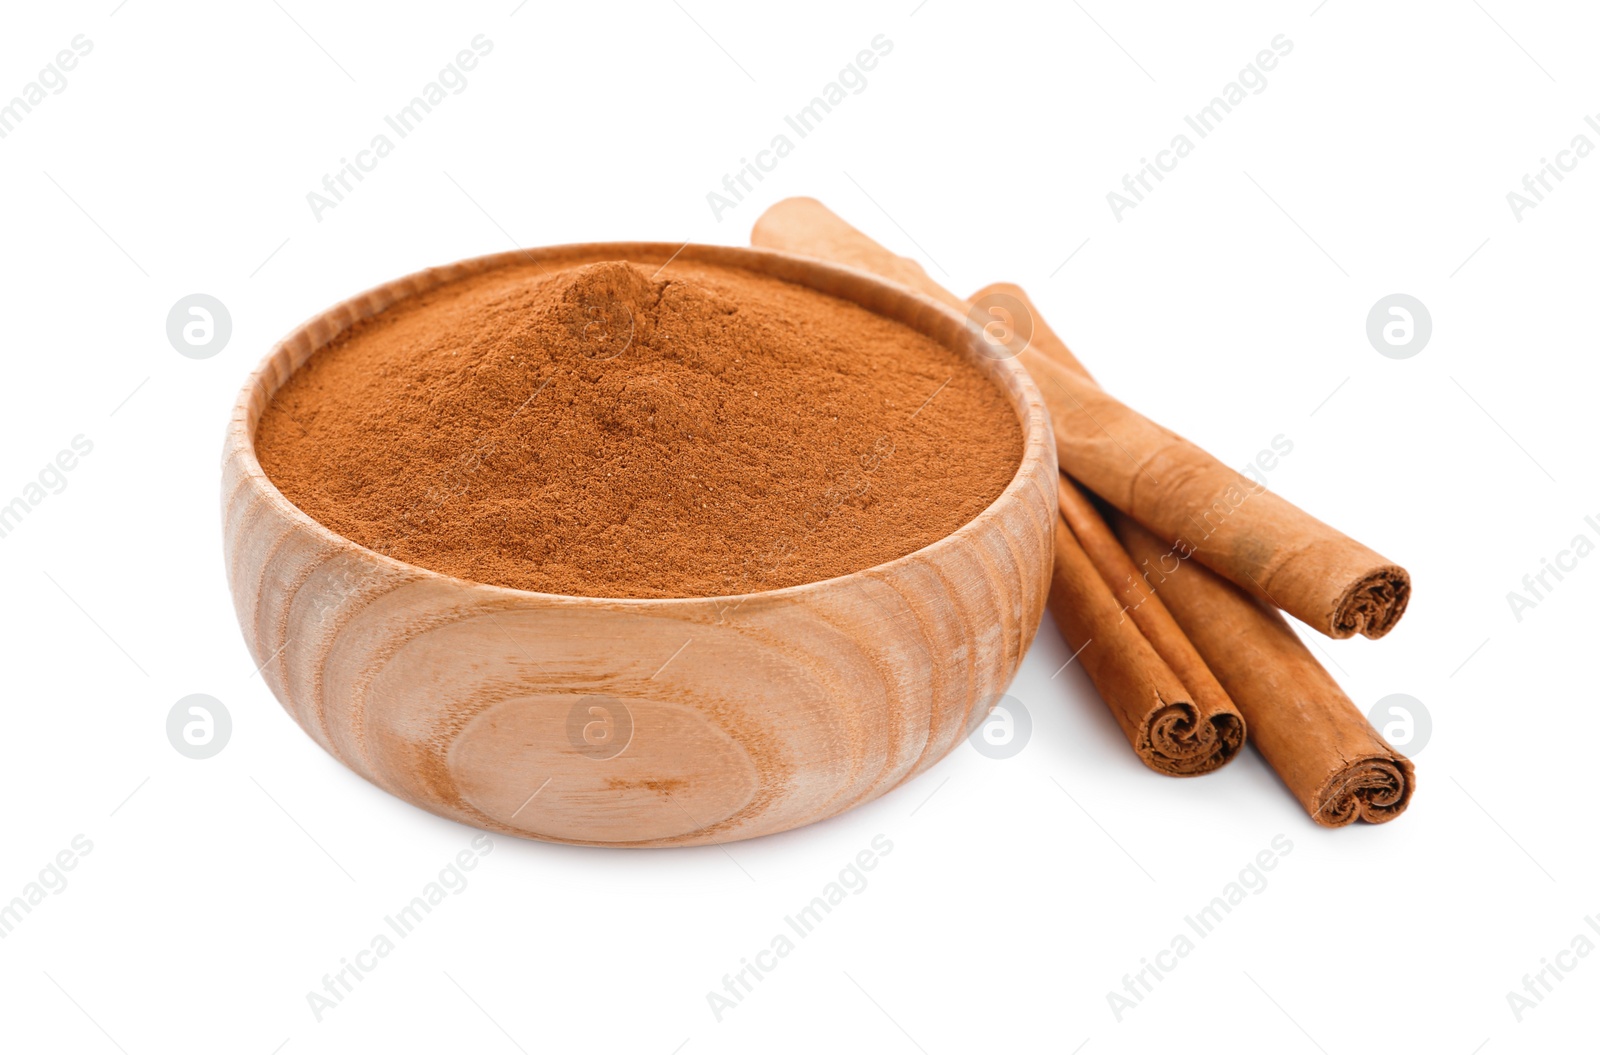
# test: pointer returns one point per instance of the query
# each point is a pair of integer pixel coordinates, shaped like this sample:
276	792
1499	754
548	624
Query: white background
1230	304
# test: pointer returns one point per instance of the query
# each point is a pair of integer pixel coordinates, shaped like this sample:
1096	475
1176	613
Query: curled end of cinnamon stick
1373	789
1373	604
1181	742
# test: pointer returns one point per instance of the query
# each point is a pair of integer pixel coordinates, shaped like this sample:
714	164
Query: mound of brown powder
602	432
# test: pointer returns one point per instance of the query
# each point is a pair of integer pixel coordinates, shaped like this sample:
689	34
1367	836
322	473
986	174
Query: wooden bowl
638	722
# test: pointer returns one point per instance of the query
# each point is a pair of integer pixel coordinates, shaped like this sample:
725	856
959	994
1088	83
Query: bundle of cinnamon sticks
1173	571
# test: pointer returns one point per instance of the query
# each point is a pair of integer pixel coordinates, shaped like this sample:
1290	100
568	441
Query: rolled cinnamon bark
1238	528
1211	704
807	227
1319	743
1194	734
1155	709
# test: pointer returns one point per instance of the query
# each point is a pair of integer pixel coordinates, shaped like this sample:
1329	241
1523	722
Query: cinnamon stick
1308	730
1252	536
807	227
1182	725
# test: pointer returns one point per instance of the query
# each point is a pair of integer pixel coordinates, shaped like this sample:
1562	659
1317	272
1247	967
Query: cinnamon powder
602	431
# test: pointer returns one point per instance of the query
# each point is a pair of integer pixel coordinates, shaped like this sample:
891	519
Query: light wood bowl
778	708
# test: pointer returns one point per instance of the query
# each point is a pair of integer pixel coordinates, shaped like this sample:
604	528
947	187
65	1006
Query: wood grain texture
638	722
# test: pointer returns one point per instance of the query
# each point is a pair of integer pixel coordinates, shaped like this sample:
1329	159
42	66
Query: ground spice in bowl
608	430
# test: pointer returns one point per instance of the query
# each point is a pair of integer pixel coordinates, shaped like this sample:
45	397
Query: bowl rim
1038	442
